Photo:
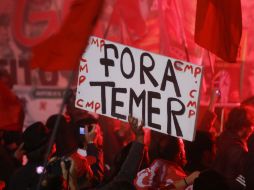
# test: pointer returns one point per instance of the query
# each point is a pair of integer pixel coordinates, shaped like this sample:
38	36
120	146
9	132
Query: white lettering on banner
117	80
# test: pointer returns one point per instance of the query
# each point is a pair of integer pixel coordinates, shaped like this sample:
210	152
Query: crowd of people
82	154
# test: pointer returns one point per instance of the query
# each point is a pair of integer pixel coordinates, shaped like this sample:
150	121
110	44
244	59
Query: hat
35	137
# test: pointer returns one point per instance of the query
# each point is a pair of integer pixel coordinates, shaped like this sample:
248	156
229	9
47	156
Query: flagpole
182	32
56	126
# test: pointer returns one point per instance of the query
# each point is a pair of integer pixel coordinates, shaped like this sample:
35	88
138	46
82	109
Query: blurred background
161	26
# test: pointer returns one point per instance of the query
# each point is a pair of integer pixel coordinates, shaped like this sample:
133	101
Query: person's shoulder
228	138
24	176
26	171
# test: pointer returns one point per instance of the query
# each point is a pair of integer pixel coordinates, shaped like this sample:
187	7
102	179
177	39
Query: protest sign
117	80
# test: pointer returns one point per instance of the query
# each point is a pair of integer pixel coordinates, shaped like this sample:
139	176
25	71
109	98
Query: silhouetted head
241	121
172	149
200	152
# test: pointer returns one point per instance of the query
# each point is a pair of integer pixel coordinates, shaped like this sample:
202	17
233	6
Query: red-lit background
162	26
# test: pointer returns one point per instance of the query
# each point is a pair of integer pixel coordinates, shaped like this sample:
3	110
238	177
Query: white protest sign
117	80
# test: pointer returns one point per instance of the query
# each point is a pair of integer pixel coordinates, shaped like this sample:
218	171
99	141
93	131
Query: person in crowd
13	143
249	102
124	178
8	165
201	152
121	157
111	144
250	158
35	139
11	154
70	175
232	149
116	135
91	143
210	180
249	168
167	168
66	145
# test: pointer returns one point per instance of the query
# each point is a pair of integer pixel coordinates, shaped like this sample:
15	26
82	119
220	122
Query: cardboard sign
117	80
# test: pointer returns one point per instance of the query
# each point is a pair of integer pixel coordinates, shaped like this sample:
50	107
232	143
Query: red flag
161	173
127	16
11	113
62	50
219	27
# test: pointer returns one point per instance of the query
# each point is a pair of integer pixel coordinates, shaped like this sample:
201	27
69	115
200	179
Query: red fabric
81	165
160	174
219	27
62	50
128	17
11	113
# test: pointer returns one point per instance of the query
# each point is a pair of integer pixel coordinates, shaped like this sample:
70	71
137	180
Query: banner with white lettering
117	80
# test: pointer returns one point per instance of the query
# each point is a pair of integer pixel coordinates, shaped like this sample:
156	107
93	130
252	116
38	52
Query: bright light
39	169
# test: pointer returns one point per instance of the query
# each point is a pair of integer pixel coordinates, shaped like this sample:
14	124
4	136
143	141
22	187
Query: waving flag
218	27
62	50
128	17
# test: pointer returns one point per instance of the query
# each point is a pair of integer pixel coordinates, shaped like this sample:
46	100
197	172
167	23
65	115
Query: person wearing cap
35	139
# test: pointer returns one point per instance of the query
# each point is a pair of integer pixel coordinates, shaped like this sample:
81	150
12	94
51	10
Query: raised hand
137	128
90	135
